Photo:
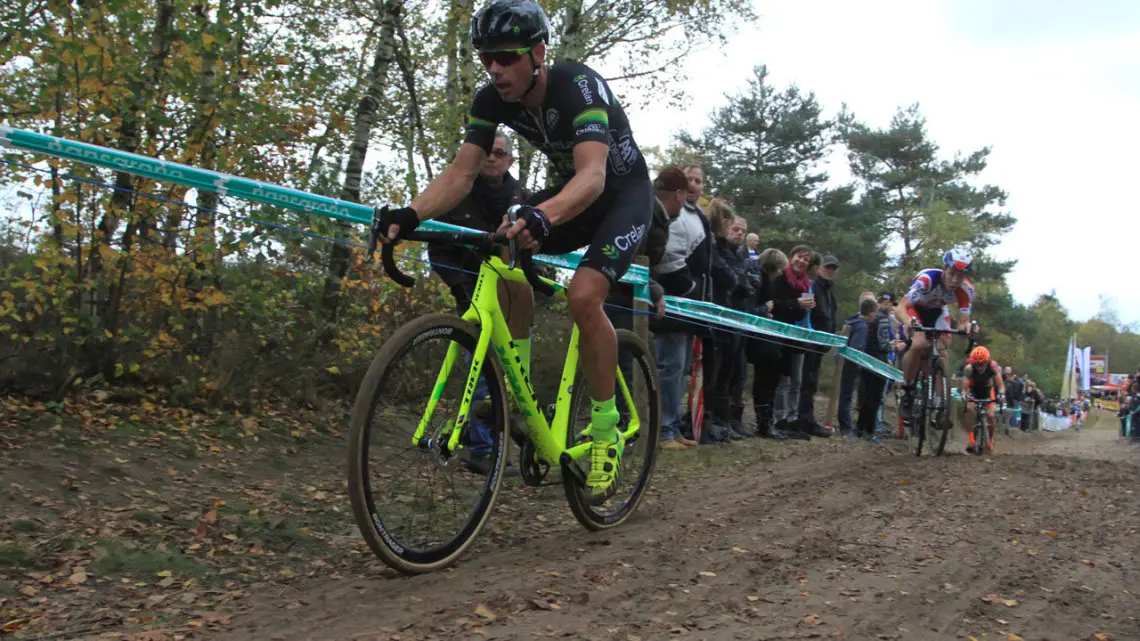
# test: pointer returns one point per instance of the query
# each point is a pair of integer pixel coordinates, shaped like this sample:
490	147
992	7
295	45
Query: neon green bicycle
417	418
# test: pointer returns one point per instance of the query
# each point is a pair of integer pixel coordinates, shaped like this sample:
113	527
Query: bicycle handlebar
938	332
482	241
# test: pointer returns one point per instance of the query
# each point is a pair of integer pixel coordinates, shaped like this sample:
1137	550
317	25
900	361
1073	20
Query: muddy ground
116	535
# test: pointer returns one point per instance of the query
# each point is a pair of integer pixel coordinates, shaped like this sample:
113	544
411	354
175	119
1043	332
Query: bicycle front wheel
941	422
418	503
639	370
916	426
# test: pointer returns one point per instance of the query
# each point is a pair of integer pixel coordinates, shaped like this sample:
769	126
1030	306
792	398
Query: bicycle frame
549	437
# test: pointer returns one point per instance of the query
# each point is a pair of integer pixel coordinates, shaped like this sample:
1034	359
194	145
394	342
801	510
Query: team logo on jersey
623	155
611	252
584	86
551	118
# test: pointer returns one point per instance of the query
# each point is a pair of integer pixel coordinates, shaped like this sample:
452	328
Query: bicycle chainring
532	471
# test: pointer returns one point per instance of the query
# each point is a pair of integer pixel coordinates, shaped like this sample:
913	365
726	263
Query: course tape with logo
296	200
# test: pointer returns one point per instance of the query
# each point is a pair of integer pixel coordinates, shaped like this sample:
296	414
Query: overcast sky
1053	86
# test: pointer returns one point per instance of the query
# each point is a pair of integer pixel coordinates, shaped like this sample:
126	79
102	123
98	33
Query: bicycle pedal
570	467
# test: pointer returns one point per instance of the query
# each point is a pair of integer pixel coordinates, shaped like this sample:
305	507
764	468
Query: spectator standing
716	360
682	272
792	302
879	345
849	377
823	318
734	359
492	193
752	247
887	302
765	354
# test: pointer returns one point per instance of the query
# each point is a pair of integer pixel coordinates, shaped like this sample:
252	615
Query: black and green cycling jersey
578	107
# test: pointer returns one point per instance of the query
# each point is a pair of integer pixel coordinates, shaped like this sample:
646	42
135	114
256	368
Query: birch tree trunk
358	151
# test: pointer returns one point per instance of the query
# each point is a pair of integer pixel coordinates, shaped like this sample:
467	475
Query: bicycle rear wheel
426	361
639	369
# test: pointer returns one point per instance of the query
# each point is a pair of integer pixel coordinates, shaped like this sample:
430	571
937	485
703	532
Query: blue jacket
857	335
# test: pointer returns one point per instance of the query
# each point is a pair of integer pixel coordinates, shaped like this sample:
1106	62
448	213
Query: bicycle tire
942	432
370	523
650	431
916	434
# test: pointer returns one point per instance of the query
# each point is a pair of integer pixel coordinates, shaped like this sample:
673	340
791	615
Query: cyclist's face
511	72
952	278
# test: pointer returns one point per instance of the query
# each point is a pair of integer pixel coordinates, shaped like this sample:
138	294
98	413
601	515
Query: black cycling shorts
938	317
614	226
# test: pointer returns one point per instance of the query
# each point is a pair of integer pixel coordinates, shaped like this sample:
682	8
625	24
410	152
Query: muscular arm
451	186
999	382
584	188
904	312
967	382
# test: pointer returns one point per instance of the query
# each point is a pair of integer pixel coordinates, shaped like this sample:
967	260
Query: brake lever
374	232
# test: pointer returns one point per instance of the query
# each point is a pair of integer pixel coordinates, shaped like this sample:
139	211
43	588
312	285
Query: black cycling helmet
521	21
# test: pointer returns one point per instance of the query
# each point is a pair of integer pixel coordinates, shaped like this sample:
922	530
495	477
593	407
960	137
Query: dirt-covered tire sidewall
369	523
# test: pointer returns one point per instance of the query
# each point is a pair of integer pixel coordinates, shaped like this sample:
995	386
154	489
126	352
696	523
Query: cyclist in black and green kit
603	199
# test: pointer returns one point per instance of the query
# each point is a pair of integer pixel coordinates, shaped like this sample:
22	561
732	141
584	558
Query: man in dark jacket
1014	394
849	379
879	345
823	318
493	192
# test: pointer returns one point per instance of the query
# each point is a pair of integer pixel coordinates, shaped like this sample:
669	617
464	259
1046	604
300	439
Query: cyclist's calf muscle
597	339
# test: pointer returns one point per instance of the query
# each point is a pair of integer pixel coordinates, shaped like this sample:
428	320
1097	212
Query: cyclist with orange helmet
980	380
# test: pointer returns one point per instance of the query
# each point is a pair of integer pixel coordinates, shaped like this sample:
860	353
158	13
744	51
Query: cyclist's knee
587	293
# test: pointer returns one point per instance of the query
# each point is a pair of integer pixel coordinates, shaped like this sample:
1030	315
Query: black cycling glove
405	218
536	222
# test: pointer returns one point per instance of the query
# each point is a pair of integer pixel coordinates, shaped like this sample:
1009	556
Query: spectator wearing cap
684	234
683	272
823	318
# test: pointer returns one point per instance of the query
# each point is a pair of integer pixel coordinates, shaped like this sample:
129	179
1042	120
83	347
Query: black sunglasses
505	57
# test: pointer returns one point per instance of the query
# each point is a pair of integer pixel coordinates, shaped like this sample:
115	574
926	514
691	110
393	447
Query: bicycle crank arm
570	467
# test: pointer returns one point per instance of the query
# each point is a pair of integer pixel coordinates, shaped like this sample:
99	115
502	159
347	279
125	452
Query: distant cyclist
926	304
981	379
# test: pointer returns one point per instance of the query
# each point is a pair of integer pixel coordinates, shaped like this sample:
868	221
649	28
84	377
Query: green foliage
100	288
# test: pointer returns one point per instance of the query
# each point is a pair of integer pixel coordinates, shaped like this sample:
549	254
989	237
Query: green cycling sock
604	419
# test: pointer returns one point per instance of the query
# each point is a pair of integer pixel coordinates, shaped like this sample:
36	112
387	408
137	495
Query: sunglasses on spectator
505	57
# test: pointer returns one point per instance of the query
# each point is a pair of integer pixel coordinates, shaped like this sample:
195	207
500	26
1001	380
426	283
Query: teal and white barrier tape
296	200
